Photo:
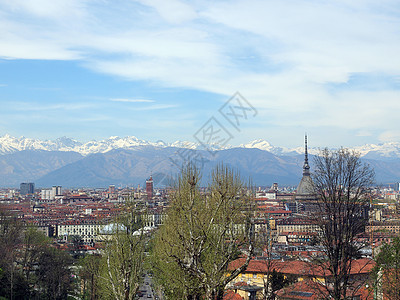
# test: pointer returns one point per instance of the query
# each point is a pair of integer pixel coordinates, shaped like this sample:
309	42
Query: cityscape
199	150
281	222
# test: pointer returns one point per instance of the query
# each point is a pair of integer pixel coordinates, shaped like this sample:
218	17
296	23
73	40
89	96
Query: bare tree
341	182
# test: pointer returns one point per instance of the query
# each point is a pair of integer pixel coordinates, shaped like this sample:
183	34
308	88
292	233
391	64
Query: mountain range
9	145
129	161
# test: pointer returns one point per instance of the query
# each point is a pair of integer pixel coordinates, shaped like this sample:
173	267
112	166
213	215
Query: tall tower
149	188
305	194
306	166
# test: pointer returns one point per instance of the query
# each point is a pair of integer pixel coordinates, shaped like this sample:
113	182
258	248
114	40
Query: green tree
278	281
75	246
54	274
89	274
122	261
386	274
12	282
34	245
342	183
202	234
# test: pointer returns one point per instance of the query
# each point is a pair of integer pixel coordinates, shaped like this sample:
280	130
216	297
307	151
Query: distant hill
131	166
29	165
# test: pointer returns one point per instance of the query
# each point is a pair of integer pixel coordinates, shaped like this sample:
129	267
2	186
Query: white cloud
19	106
47	8
172	11
282	56
131	100
364	133
390	136
155	107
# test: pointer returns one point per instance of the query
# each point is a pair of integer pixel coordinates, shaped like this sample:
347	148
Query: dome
112	228
306	186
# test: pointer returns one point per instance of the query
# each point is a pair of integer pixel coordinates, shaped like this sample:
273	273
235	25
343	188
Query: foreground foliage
386	275
30	267
342	183
202	234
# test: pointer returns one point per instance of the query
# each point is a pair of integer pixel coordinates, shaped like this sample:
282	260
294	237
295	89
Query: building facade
27	188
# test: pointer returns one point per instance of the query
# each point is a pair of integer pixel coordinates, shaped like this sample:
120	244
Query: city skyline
160	70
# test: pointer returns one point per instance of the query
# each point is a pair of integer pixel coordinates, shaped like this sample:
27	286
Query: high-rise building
46	194
56	190
27	188
149	188
50	194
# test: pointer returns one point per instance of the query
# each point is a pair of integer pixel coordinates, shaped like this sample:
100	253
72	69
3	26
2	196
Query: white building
50	194
88	232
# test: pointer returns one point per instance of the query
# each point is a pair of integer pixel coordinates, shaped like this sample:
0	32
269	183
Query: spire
306	166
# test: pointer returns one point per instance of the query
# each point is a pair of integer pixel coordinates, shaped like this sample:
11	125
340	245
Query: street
145	289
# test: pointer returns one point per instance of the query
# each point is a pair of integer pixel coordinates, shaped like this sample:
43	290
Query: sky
169	69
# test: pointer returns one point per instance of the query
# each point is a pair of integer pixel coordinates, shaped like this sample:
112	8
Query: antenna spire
306	166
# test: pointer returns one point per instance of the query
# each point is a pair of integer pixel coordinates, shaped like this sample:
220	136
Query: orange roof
231	295
297	267
305	289
309	289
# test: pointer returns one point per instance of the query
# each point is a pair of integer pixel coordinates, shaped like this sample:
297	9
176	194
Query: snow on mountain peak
259	144
10	144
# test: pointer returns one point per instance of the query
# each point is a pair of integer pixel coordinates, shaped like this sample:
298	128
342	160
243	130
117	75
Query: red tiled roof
297	267
305	289
231	295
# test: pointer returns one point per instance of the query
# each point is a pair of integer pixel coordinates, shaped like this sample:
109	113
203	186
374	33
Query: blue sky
160	69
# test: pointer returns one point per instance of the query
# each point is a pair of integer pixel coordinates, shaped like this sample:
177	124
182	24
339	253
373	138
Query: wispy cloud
132	100
390	136
37	107
284	58
155	107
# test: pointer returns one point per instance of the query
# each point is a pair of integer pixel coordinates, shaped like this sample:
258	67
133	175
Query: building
306	197
392	226
47	194
296	225
149	188
56	190
50	194
27	188
111	189
87	230
258	270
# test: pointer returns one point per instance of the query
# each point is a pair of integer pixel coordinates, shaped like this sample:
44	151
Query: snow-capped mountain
265	145
9	144
129	160
386	150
